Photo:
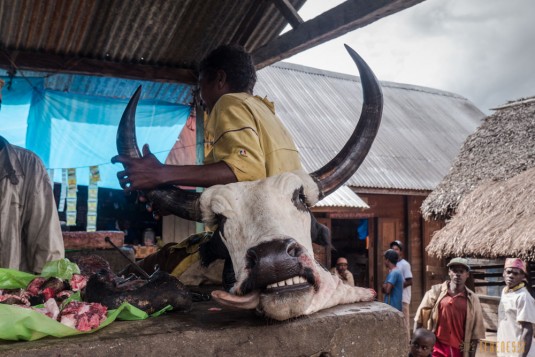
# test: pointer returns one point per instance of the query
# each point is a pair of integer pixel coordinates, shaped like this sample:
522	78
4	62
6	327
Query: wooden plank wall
176	229
399	217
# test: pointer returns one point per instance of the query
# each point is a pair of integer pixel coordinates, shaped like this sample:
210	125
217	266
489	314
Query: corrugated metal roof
421	132
162	32
342	197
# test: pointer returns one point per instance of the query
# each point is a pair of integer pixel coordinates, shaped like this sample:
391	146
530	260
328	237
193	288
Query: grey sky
483	50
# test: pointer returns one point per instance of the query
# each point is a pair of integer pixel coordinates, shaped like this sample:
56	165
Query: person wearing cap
516	312
341	271
393	285
405	269
453	312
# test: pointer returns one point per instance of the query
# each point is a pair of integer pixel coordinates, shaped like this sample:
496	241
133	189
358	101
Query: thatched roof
502	147
496	220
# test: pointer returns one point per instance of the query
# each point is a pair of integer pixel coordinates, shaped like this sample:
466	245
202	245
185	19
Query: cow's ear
319	233
213	249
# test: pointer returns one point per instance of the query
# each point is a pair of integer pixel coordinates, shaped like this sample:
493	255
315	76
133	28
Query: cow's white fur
261	211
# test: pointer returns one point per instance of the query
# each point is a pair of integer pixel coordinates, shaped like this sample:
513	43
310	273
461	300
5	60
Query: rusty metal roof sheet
165	39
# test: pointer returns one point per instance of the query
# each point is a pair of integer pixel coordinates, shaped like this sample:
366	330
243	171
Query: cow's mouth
297	283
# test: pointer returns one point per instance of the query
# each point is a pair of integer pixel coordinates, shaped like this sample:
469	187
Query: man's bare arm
147	173
407	282
387	287
527	336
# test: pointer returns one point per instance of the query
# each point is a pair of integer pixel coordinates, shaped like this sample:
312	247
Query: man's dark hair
423	333
235	62
392	256
398	244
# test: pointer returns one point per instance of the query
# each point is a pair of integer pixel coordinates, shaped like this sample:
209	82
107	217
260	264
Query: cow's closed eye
299	199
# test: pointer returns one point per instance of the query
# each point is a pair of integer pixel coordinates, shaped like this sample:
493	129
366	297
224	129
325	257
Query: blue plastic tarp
77	131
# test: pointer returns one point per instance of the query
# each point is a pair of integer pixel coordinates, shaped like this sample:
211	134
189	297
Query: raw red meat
78	282
90	264
83	316
11	299
35	285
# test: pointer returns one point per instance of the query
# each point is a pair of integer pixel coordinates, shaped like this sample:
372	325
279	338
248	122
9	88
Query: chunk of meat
12	299
91	264
35	285
78	282
152	295
83	316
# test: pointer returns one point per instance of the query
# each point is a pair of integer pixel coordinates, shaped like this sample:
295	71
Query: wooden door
387	230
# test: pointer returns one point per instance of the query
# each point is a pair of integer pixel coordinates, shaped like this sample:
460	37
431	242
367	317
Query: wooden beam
348	16
289	12
42	62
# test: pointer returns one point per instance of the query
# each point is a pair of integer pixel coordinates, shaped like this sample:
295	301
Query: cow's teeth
289	281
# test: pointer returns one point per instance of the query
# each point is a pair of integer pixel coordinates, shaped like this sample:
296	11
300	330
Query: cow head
266	225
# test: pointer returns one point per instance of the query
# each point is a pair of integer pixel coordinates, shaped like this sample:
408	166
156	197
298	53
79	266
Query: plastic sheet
24	324
71	130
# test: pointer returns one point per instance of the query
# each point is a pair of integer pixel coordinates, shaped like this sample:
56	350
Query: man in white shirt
405	269
516	313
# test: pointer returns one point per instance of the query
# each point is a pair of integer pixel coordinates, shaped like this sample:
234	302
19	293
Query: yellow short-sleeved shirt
243	131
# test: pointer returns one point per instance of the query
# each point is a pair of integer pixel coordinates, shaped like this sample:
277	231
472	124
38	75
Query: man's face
341	267
208	90
458	274
513	277
396	248
421	346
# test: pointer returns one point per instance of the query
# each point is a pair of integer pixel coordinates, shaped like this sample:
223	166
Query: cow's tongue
249	301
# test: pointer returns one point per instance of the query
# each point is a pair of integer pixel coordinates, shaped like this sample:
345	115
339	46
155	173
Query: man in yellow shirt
245	140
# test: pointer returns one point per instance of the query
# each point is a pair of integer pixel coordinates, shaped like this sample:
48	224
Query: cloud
480	49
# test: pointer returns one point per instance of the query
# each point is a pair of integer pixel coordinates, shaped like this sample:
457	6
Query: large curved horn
345	164
171	199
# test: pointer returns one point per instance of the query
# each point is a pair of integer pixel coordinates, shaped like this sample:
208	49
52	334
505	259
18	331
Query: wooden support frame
289	13
333	23
46	62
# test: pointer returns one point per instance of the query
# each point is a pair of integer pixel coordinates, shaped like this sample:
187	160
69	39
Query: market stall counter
79	243
211	330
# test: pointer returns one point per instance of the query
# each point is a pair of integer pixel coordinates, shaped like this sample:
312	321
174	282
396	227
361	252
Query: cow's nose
274	261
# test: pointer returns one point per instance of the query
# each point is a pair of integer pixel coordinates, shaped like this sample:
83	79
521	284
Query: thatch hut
501	148
495	220
489	191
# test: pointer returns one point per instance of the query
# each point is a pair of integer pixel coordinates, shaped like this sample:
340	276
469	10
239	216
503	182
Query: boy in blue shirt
393	285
